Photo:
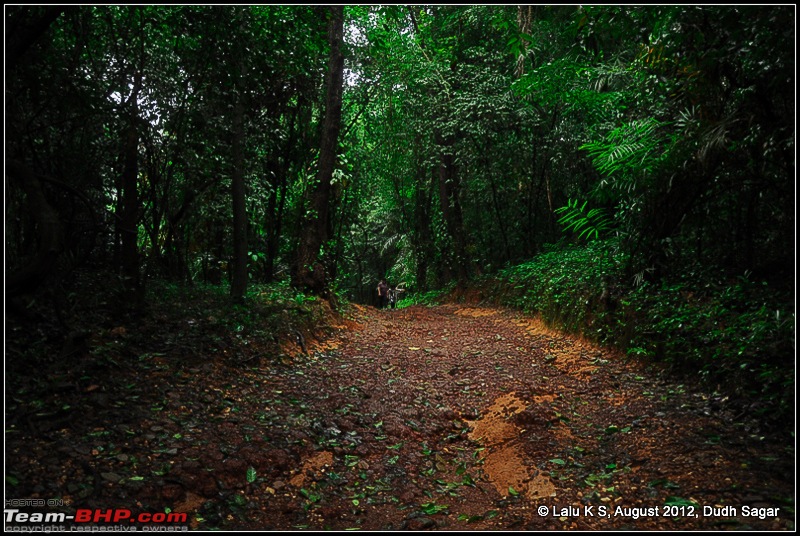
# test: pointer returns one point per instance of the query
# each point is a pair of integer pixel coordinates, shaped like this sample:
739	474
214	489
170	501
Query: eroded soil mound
455	418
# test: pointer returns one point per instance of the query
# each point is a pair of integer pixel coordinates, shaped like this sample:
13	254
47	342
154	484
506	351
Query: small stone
111	477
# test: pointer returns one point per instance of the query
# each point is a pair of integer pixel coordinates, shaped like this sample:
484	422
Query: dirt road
443	418
471	418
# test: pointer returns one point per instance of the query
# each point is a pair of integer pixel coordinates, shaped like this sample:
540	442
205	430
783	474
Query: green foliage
431	297
565	285
271	313
724	329
588	225
431	508
626	149
734	332
251	475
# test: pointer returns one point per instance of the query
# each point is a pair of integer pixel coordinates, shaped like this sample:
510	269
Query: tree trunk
501	218
524	20
128	206
278	169
422	239
273	224
309	273
239	272
453	217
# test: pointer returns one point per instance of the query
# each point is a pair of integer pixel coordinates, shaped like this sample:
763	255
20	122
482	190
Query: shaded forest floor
451	417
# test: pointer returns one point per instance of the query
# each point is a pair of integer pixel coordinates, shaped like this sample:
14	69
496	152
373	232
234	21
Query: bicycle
394	295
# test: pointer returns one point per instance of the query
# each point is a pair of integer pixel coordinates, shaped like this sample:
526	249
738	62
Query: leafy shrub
734	333
569	286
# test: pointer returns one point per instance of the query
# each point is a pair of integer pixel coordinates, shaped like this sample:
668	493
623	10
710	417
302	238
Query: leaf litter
438	418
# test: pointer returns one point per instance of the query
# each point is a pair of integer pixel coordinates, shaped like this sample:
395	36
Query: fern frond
585	224
626	150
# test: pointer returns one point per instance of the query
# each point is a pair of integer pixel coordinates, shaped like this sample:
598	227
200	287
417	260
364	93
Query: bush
735	333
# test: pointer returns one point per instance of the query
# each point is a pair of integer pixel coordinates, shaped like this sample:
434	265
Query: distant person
394	294
383	294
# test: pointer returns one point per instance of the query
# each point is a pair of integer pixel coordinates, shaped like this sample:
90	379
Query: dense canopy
469	137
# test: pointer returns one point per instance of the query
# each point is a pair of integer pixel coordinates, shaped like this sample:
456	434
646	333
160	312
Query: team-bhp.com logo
95	516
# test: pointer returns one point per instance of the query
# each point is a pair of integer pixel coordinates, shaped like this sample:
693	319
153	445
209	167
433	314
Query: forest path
476	418
444	418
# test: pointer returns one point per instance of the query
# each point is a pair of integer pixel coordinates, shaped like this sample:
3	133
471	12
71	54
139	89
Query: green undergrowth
270	317
428	298
734	334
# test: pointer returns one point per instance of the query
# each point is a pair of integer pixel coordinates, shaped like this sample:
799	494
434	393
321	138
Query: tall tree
129	204
239	275
310	273
132	26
